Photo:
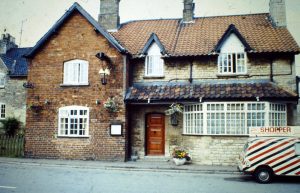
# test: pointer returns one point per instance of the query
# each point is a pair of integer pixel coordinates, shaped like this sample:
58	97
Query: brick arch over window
76	72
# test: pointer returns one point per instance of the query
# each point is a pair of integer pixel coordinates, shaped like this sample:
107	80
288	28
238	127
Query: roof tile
200	37
208	91
15	61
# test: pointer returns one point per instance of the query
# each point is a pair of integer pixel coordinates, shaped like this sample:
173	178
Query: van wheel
263	175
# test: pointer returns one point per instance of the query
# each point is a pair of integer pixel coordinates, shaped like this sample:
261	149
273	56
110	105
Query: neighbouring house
101	89
13	74
228	72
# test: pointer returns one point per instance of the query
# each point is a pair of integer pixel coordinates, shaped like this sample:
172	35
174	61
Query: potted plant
110	105
174	111
180	156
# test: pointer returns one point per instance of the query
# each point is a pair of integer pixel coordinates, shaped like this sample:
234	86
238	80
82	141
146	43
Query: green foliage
174	108
111	105
11	126
181	153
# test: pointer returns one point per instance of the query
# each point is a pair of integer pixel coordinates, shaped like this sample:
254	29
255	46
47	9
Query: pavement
139	165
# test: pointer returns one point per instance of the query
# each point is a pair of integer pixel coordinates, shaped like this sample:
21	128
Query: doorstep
155	159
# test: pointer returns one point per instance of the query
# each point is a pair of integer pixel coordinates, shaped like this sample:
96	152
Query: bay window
231	118
73	121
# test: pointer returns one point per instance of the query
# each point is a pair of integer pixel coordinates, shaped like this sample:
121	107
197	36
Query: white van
273	151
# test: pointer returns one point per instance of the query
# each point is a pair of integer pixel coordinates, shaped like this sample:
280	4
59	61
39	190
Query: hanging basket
36	109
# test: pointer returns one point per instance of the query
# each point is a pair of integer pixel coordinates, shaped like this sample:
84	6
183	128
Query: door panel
155	134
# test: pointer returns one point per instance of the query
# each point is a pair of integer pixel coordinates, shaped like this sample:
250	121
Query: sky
38	16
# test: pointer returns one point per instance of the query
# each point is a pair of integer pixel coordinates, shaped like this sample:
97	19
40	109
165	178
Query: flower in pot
110	105
174	111
180	156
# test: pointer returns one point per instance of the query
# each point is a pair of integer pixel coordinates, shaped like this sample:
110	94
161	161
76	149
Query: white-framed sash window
73	121
232	63
231	118
76	72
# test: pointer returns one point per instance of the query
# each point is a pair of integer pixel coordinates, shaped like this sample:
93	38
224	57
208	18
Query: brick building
66	117
13	74
228	73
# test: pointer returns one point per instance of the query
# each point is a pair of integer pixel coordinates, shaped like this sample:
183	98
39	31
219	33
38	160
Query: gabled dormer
153	52
232	49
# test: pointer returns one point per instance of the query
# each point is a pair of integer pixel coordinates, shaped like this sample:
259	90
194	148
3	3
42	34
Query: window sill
232	75
74	85
154	77
80	137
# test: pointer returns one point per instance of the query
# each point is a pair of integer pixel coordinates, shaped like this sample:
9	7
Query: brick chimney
277	13
188	11
109	14
7	42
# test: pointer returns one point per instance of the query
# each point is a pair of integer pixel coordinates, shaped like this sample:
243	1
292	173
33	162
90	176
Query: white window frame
76	72
230	116
67	115
154	64
229	63
2	80
2	111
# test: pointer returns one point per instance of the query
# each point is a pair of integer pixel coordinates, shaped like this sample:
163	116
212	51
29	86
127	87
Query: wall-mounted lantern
104	72
103	75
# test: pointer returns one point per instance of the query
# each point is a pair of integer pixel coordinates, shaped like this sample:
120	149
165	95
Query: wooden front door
155	129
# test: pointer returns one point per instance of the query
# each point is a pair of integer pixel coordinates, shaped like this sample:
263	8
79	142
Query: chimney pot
7	42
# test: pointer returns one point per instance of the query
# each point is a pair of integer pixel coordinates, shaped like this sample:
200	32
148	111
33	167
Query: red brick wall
76	39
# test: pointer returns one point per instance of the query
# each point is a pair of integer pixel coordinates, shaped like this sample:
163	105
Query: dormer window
232	49
154	64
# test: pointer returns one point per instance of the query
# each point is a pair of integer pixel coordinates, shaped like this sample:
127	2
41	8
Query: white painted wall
232	44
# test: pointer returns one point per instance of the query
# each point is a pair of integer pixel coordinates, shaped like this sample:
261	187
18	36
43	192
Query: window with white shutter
76	72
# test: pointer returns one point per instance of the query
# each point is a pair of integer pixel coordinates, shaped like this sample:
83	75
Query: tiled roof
208	91
201	37
60	22
15	61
